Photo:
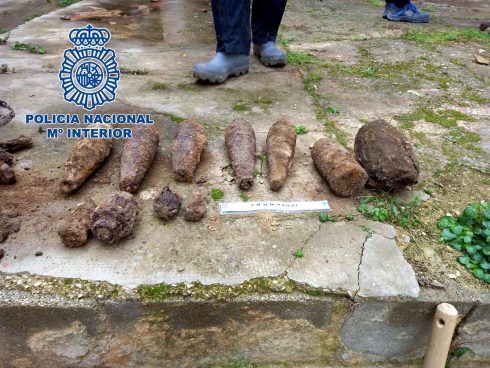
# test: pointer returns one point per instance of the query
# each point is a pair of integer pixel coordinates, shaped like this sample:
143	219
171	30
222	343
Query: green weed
159	86
244	196
174	118
453	34
217	194
379	3
300	129
241	106
470	234
446	118
385	208
298	253
301	59
32	48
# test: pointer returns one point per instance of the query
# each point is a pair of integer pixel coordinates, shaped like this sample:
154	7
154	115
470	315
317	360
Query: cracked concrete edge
359	267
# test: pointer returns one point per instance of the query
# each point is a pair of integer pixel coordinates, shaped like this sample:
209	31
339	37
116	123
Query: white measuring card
236	208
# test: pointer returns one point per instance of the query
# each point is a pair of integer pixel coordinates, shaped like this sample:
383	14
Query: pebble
406	238
26	165
452	276
38	253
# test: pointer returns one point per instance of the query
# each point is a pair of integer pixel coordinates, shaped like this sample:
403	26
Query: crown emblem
89	37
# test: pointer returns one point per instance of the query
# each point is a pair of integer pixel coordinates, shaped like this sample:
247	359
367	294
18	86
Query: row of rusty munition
383	155
384	158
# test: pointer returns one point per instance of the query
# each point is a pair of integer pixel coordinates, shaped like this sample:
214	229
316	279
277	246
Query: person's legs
398	3
232	26
266	19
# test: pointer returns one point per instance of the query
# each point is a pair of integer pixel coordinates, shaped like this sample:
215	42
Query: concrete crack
462	322
368	236
305	243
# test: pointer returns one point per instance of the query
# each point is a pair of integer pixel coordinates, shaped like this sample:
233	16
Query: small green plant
159	86
244	196
459	352
217	194
257	173
333	110
350	217
378	3
298	253
385	208
325	217
368	230
175	118
260	100
263	160
66	2
301	59
370	72
300	129
32	48
469	233
3	30
241	106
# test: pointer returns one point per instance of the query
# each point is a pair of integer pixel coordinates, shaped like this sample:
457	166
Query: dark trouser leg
398	3
266	18
232	25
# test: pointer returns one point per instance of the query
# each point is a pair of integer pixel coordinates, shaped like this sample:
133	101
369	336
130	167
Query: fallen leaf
481	60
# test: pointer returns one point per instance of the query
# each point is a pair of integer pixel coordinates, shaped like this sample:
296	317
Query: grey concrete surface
383	271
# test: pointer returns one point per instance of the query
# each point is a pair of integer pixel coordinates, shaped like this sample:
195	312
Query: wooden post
443	327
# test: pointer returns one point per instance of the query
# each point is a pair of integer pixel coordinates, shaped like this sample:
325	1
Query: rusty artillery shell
188	144
338	167
280	149
137	156
241	145
86	156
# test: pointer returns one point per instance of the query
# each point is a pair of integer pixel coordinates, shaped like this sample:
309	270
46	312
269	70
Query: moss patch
433	36
446	118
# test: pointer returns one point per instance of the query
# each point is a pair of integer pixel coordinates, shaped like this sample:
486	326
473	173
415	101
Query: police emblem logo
89	73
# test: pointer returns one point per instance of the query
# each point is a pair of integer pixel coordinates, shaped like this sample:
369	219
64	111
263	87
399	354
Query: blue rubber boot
408	13
221	67
269	54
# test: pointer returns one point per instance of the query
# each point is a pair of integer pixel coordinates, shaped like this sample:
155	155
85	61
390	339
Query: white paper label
270	206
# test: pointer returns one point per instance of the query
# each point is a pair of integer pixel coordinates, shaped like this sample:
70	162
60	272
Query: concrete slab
384	272
331	258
